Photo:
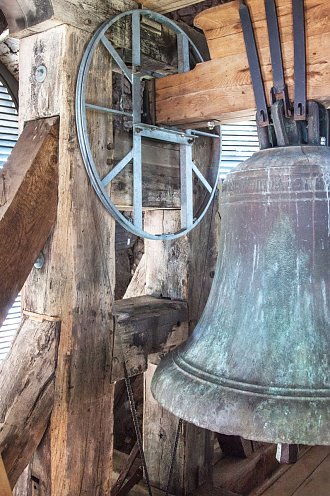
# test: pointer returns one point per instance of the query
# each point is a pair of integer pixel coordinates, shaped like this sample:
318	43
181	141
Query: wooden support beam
167	275
221	89
28	205
31	16
142	326
5	489
77	281
27	393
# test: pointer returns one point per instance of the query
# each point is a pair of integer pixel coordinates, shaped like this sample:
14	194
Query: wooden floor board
293	480
318	482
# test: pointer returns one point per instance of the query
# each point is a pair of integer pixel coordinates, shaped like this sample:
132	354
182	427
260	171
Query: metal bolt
41	73
40	262
211	125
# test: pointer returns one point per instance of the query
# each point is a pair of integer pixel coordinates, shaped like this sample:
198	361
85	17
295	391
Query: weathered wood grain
5	489
301	474
161	175
221	89
31	16
77	281
167	276
23	486
164	6
223	29
144	325
138	283
27	393
243	475
28	204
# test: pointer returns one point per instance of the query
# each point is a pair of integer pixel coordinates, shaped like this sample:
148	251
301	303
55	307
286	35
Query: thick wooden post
167	276
77	281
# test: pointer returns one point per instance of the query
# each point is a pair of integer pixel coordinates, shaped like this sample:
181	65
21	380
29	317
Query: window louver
239	142
8	138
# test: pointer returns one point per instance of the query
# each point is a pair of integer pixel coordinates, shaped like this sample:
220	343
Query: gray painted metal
140	130
257	364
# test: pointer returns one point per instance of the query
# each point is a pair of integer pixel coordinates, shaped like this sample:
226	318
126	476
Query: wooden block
5	489
145	325
28	205
221	89
235	446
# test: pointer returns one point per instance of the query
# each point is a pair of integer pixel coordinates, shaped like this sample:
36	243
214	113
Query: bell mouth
255	413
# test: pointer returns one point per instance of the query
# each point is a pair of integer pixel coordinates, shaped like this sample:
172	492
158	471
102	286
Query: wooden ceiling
167	5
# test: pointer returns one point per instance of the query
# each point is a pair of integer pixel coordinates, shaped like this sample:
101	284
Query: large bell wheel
134	73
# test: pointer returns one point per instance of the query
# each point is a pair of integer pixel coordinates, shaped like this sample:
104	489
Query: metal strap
299	60
279	88
252	54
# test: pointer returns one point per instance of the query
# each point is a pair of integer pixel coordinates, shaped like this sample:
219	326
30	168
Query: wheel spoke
115	55
201	178
186	165
137	181
91	106
183	53
136	39
116	170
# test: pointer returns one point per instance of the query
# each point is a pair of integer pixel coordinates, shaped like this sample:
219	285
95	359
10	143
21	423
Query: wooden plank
27	393
279	472
164	6
243	475
223	30
318	481
144	325
77	281
298	473
28	203
221	88
5	489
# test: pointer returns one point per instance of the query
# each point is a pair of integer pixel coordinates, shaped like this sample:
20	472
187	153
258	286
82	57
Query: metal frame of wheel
185	138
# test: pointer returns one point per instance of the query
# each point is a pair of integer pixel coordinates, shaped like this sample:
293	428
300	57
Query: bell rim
239	413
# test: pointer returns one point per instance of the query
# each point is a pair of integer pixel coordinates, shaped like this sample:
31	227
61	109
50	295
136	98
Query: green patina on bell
258	362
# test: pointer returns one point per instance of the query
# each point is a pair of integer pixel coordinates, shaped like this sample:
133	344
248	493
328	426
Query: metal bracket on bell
134	72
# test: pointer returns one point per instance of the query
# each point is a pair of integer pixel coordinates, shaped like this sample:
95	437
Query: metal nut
41	73
40	262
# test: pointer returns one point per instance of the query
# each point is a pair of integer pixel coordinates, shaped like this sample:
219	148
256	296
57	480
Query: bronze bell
258	362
